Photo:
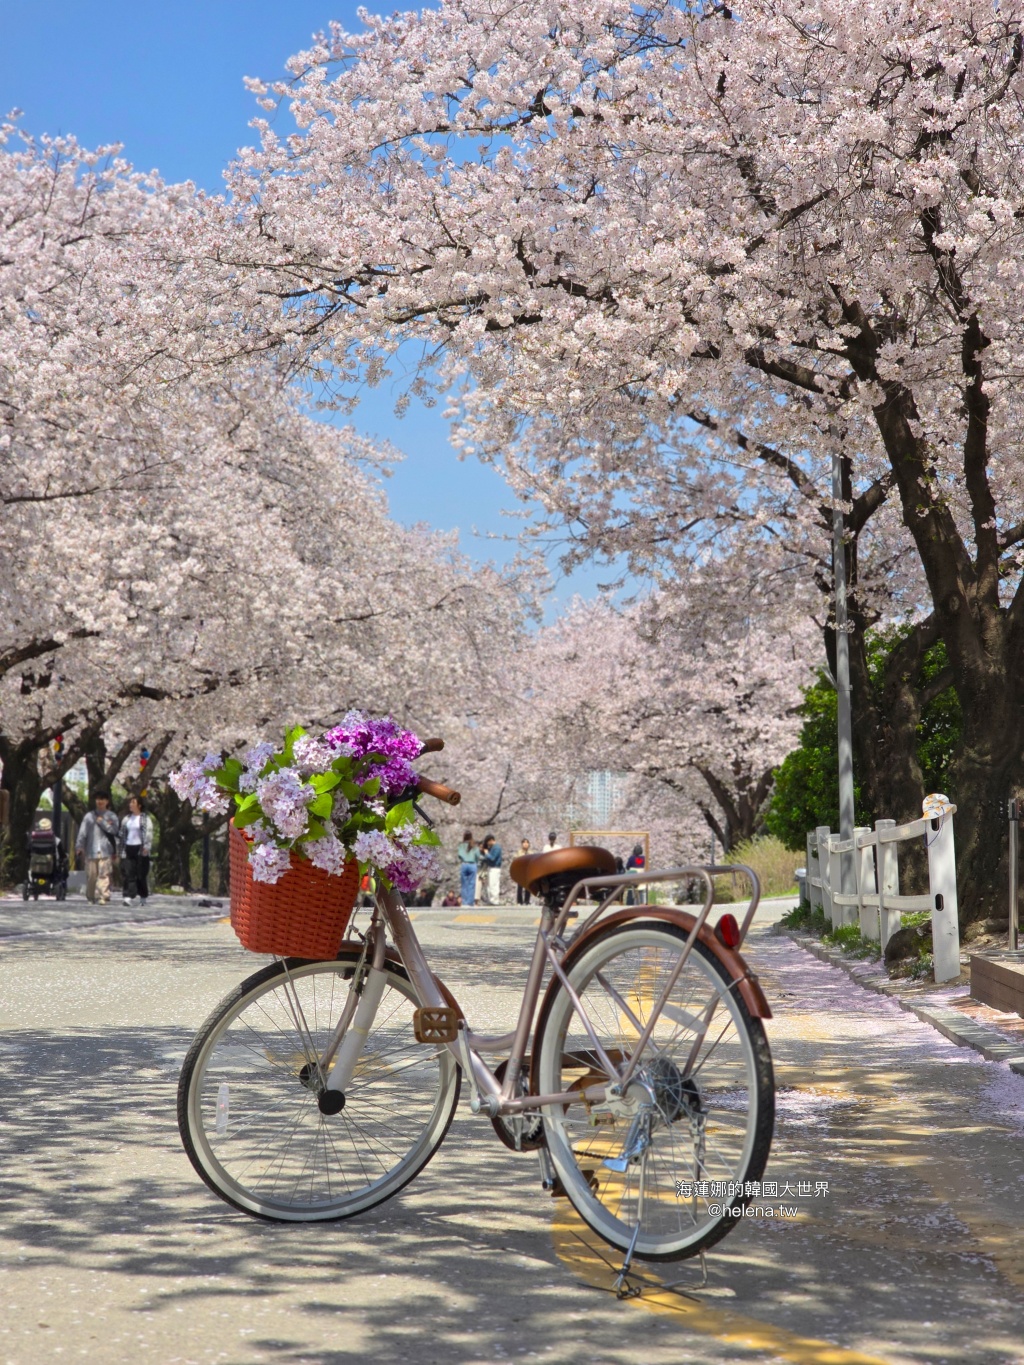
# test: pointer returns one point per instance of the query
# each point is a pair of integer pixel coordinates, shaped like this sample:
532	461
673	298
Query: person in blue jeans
469	858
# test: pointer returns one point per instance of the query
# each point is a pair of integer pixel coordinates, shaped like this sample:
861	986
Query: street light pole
845	712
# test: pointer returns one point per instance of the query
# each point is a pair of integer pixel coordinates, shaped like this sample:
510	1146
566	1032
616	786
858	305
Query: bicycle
638	1069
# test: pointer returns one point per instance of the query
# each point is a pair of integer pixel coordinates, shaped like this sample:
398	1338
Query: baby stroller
47	864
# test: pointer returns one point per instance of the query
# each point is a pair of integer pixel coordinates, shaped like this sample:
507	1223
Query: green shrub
773	862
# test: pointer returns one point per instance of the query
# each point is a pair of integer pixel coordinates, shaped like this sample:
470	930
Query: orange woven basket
305	914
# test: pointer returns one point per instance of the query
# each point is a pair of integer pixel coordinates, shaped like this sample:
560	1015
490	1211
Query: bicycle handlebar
432	746
436	789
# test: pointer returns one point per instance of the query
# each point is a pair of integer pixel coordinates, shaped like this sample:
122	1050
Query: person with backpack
96	843
635	863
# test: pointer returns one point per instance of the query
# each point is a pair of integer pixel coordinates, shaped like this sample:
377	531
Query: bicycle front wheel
247	1098
670	1159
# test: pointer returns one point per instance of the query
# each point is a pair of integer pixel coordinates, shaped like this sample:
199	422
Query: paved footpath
112	1251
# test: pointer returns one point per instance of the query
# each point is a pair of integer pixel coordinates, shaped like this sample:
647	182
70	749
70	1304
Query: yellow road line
587	1257
474	919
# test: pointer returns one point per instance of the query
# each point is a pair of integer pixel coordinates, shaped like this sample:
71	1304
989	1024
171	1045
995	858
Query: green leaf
248	817
247	801
428	836
324	782
372	787
316	830
350	790
397	816
290	736
323	805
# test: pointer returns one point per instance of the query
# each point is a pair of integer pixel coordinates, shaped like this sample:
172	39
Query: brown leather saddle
545	874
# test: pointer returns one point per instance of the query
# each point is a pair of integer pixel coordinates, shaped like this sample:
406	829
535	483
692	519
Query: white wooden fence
875	903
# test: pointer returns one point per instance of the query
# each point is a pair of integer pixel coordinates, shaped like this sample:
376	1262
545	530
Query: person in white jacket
136	846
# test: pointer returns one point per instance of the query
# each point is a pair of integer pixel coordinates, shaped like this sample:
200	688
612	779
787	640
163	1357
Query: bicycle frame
488	1095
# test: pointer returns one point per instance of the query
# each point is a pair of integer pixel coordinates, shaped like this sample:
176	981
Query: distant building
596	799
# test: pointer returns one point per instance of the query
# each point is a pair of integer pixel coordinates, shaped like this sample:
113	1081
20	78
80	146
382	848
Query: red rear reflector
727	931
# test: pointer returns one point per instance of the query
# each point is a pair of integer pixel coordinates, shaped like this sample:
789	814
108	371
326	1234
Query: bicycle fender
735	965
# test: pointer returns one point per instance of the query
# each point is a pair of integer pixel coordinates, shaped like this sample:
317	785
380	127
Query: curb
949	1022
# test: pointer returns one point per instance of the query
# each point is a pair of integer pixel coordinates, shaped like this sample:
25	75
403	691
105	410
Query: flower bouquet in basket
310	819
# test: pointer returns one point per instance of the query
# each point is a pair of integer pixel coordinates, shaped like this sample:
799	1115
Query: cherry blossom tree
701	249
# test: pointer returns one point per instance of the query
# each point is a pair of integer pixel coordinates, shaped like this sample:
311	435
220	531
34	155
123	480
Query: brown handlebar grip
432	746
436	789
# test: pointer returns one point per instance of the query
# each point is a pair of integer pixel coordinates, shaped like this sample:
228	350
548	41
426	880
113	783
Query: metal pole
57	812
845	712
206	862
1013	811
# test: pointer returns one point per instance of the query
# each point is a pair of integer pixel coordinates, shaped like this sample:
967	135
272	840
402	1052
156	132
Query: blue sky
165	80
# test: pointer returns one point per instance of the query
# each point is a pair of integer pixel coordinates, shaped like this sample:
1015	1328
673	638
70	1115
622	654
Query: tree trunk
177	834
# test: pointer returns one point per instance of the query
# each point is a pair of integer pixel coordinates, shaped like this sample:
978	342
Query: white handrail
876	903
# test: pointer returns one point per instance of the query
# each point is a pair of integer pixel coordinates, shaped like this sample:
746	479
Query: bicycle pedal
436	1025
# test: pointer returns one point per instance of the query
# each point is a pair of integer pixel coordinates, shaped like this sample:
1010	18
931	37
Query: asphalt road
112	1251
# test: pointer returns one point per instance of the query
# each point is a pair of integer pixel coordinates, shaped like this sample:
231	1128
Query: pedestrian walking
490	861
522	895
96	843
469	858
136	844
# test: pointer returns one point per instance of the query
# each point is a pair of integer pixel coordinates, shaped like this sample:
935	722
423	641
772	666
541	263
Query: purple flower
284	797
191	783
312	755
419	863
329	853
360	734
268	863
374	847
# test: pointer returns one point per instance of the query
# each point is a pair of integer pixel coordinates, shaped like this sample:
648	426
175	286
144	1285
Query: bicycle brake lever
422	814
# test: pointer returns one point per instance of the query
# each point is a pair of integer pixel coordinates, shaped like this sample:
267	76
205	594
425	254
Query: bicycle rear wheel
675	1152
247	1102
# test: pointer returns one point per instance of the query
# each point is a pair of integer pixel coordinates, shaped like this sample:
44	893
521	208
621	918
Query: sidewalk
949	1008
28	919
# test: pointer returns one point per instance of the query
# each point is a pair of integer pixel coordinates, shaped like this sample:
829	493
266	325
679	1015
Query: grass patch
804	916
847	938
915	918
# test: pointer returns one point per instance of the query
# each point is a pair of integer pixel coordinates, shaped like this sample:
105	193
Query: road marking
475	919
587	1257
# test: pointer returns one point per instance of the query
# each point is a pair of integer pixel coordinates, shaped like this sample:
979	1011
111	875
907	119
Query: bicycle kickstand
628	1283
